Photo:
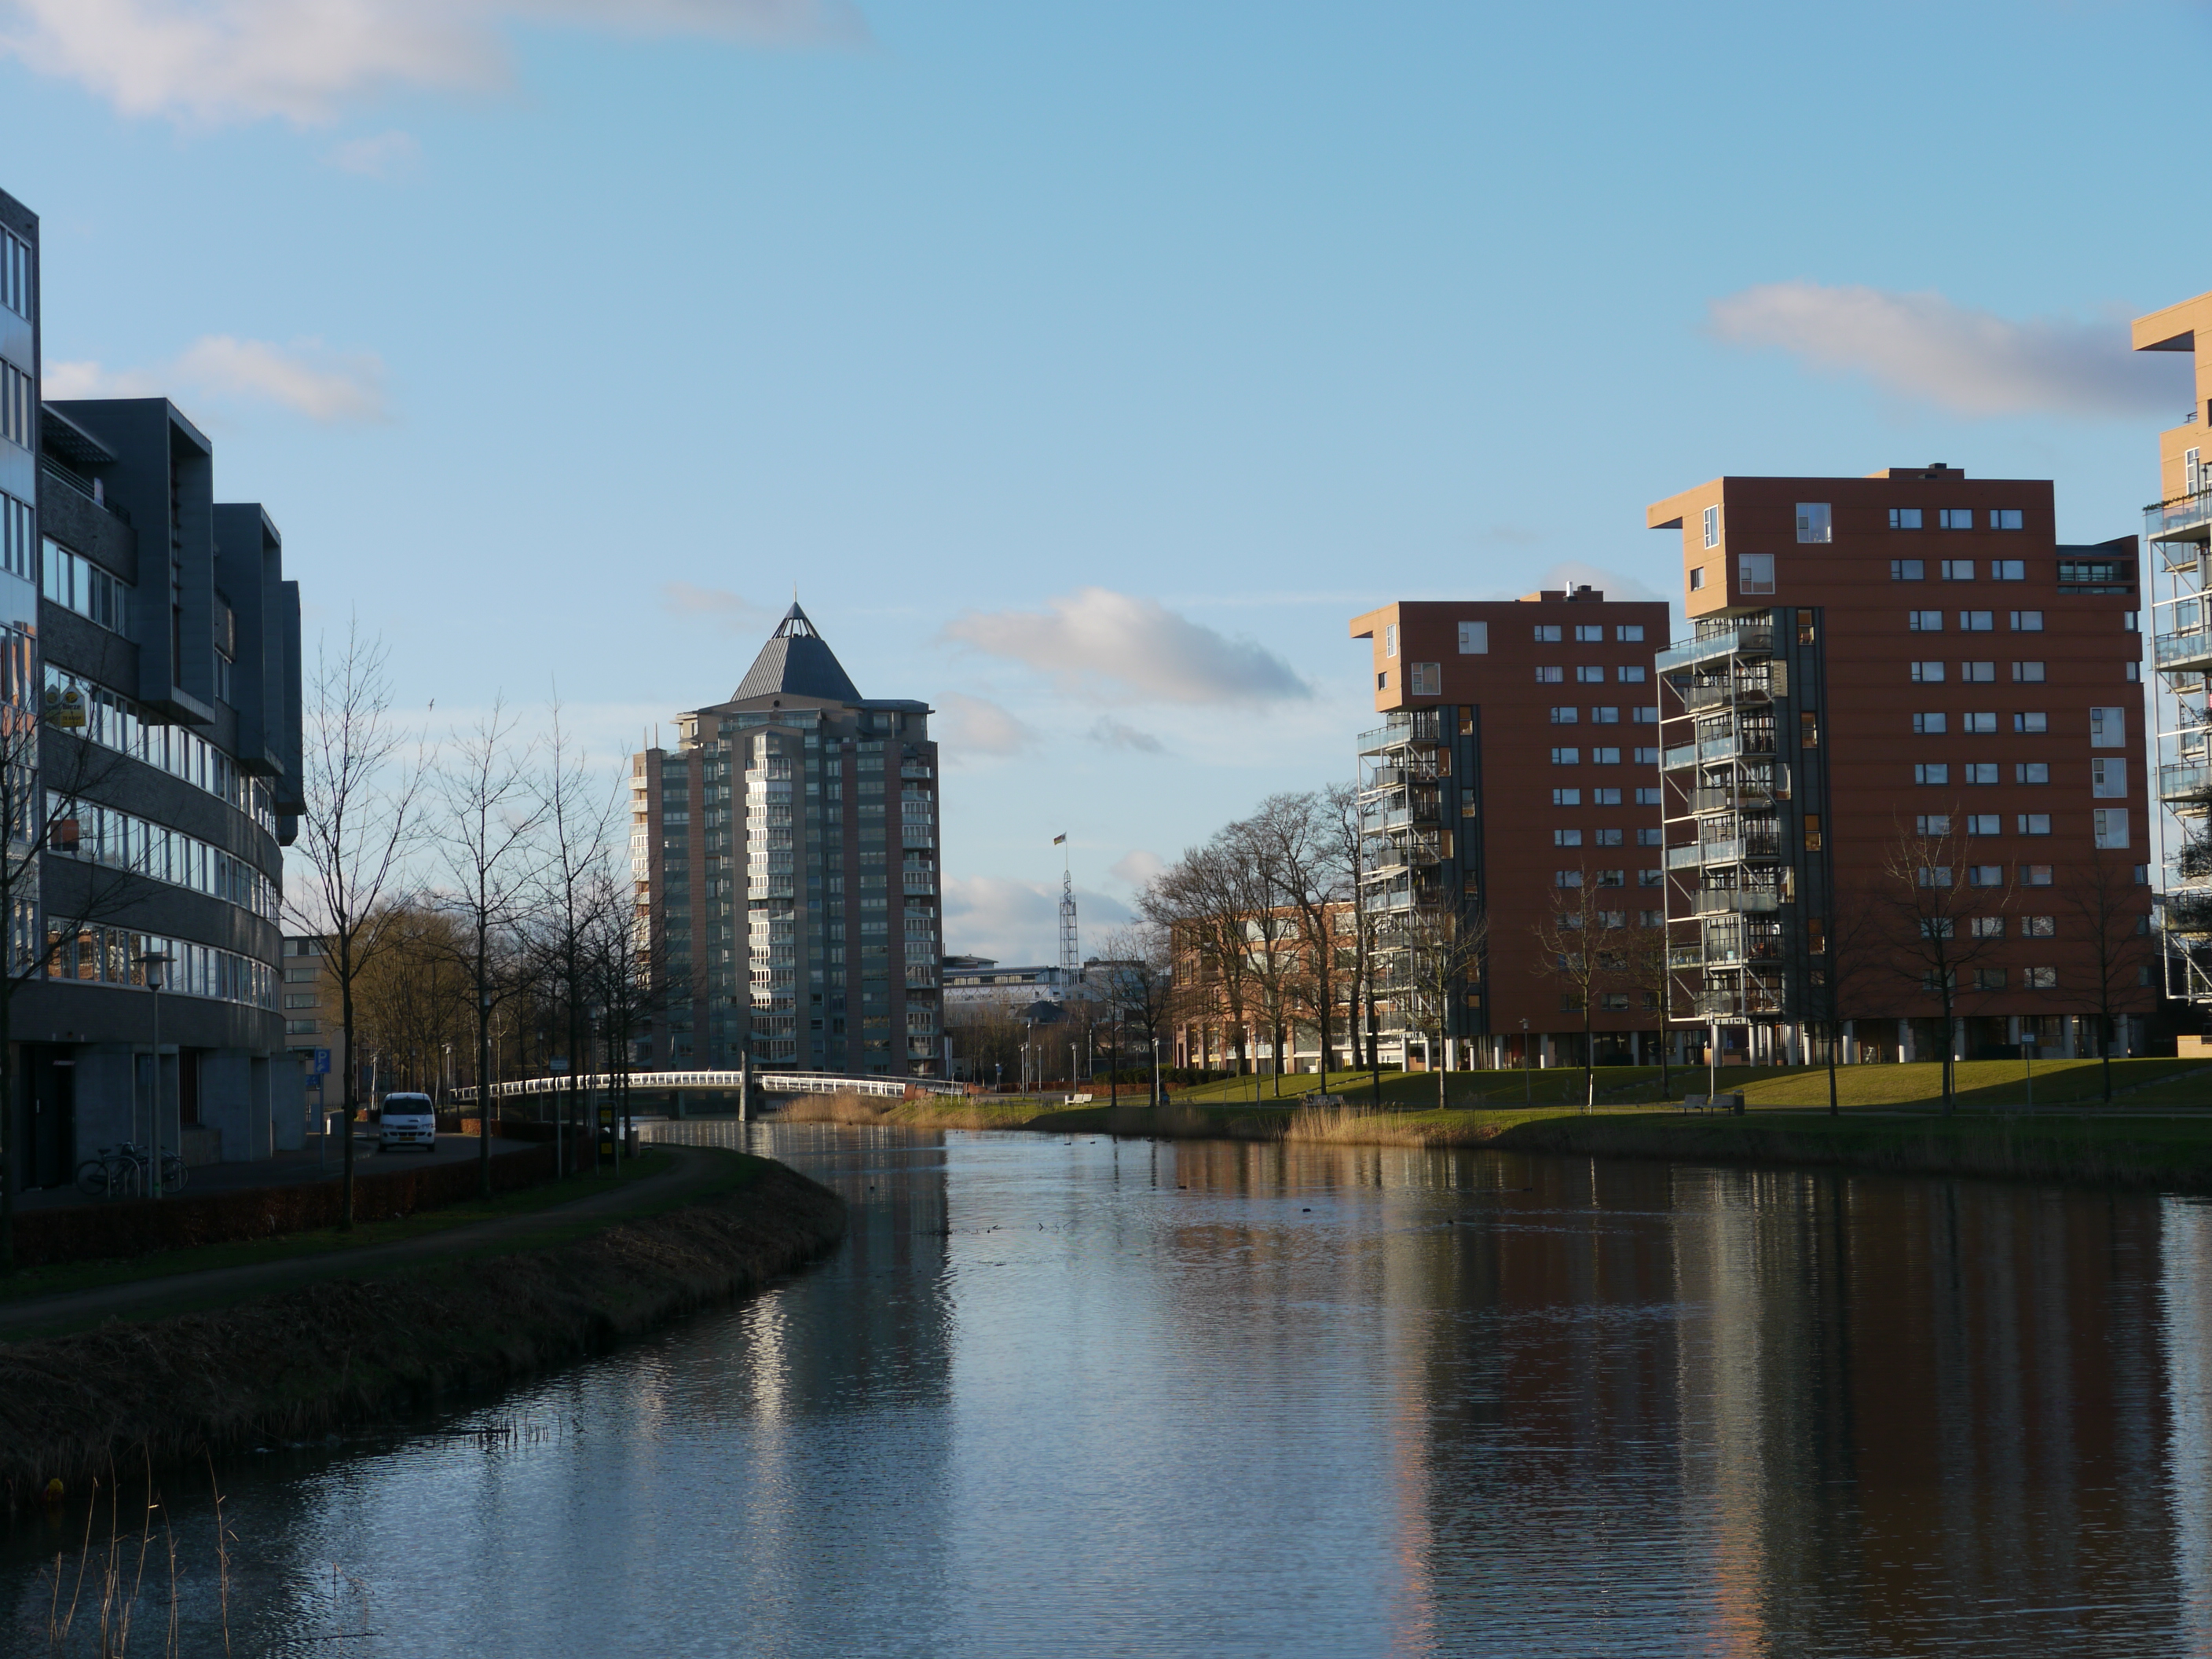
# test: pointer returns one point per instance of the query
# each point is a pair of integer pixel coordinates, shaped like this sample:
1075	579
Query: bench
1732	1103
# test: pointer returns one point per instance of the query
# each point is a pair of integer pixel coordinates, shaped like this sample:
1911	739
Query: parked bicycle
123	1171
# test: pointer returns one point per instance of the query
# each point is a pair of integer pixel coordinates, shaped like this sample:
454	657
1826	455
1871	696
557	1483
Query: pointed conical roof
797	662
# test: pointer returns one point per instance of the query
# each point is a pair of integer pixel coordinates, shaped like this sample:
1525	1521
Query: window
1935	875
1927	673
2033	824
1605	758
1928	726
1647	758
2098	576
2031	772
1650	918
1382	680
15	543
1613	877
1647	797
1905	518
1590	674
1977	673
1932	823
2007	570
77	584
1650	879
1389	639
1608	838
1713	531
1936	773
1956	518
2035	875
1808	731
1548	632
1551	675
1474	638
1648	714
1566	838
2005	518
2027	673
1696	579
1428	679
1908	570
1984	823
2031	721
1605	717
1812	832
1980	725
1812	527
2039	979
2131	673
1566	758
1977	622
2028	622
1754	572
1589	633
1989	979
2108	728
1651	835
2111	828
1924	621
1987	927
1605	798
1564	714
1957	570
2129	621
15	403
1986	875
1467	807
16	273
2039	926
1567	797
1633	674
1981	771
1566	878
1629	633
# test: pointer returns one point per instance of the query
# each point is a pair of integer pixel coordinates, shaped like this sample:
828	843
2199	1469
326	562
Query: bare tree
490	816
1650	972
1198	900
576	810
1437	946
1347	851
361	824
1575	950
1848	960
1141	979
1309	879
2107	904
1945	916
1252	856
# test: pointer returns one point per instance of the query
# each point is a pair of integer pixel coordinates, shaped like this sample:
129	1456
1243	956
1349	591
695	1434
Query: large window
123	841
15	273
113	722
1814	523
15	533
75	583
110	955
15	403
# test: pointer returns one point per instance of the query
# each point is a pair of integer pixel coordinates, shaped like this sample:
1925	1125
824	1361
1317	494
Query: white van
408	1120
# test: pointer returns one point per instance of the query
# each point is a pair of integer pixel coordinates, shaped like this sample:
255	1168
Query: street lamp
154	962
1528	1076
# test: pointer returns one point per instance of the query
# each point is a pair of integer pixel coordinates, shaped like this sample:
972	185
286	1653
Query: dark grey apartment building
151	653
785	857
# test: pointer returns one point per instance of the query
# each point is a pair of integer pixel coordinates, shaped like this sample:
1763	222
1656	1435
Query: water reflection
1089	1397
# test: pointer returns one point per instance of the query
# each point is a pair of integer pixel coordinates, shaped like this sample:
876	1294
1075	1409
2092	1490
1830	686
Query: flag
1056	840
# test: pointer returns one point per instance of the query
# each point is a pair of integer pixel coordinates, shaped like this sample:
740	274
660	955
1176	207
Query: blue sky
1085	368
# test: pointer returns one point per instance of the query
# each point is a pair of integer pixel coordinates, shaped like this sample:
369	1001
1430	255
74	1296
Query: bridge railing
775	1083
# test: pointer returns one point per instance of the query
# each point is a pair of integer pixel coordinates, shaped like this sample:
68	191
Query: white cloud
377	157
1136	867
1112	734
1969	362
1096	641
976	726
1019	921
729	611
305	61
323	385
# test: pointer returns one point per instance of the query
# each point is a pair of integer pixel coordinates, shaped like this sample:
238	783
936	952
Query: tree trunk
483	1068
1835	1042
8	1119
352	1083
2110	1025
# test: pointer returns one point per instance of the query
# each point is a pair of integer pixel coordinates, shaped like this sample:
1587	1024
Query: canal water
1083	1397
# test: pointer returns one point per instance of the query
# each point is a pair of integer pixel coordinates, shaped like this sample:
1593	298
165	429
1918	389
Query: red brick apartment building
1904	745
1516	780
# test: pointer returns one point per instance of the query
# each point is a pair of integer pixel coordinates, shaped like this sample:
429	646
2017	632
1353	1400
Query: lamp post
1528	1072
154	962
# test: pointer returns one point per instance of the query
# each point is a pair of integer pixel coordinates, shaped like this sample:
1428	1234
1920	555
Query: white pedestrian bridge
731	1083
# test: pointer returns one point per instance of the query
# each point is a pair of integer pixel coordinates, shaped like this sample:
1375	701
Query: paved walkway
155	1298
295	1168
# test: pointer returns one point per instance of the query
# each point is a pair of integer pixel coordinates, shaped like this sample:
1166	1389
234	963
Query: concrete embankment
299	1364
2173	1152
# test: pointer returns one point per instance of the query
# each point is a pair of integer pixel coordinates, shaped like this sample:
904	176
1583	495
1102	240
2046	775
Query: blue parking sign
322	1062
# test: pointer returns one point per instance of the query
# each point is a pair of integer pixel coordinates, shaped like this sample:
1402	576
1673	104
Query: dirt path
176	1292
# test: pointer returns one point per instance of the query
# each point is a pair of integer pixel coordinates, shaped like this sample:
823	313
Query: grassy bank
294	1365
2100	1147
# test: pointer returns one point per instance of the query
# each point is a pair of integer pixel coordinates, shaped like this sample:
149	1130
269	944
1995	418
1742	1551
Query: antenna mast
1070	959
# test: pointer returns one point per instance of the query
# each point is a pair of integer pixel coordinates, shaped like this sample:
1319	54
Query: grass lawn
330	1241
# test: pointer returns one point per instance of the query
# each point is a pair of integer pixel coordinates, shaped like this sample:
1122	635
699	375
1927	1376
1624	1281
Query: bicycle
121	1171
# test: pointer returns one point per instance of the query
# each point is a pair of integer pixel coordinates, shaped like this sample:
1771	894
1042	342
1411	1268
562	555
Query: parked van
408	1120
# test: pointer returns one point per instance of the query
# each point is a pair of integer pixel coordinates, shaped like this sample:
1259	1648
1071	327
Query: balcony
1417	726
2184	652
2184	782
1750	795
1674	760
2183	519
1758	686
1741	901
1746	639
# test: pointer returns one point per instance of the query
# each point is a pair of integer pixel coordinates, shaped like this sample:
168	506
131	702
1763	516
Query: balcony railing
1742	901
2184	782
2184	652
1416	726
2181	518
1746	639
1675	759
